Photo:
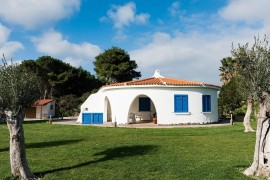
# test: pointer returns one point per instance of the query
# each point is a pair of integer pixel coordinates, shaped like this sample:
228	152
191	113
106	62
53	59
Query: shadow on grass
35	121
109	154
46	144
51	143
4	149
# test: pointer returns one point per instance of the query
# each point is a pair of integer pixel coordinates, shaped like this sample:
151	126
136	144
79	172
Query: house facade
41	109
170	101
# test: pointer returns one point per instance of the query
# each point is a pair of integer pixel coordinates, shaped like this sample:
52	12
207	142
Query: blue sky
184	39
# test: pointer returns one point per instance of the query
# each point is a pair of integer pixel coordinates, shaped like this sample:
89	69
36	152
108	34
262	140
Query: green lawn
85	152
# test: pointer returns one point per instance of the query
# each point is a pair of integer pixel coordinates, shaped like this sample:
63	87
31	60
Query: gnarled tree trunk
18	161
246	122
261	160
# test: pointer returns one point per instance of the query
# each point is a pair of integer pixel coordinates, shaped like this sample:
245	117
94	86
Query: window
51	107
180	103
144	104
206	103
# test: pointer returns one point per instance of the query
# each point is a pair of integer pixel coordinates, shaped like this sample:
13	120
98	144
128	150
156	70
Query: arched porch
107	110
142	110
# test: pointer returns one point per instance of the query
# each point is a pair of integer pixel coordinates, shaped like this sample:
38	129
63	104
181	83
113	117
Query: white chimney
157	74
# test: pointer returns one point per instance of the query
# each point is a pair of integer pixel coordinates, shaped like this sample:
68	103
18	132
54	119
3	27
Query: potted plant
155	118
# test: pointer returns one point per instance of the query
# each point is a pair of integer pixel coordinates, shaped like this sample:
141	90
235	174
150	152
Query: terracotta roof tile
42	102
162	81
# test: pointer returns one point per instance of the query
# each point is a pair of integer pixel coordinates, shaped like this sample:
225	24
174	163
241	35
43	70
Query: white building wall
45	111
121	99
48	111
38	112
93	104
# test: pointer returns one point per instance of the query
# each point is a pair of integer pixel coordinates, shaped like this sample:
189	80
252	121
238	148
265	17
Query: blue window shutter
141	105
180	103
209	103
177	103
206	103
144	104
185	103
147	104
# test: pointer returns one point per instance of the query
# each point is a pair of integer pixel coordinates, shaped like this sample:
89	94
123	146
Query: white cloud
31	14
53	43
191	55
142	18
125	15
8	47
174	9
4	34
195	54
250	11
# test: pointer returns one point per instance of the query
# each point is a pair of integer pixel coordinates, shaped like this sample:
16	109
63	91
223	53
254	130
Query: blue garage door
86	118
92	118
97	118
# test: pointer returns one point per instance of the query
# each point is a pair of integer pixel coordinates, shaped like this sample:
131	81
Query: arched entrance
108	110
141	110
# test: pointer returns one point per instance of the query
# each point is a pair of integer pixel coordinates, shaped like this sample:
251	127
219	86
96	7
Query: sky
184	39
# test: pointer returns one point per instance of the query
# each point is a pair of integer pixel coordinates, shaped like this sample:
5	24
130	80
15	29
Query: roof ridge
139	80
162	81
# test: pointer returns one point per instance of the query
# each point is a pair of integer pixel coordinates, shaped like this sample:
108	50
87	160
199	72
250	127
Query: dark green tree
18	90
114	65
231	89
34	67
60	78
69	105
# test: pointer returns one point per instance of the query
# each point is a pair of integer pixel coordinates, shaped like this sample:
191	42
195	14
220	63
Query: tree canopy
228	69
231	89
254	66
18	88
60	78
114	65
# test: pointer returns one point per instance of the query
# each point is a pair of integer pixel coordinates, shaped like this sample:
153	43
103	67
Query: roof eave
163	86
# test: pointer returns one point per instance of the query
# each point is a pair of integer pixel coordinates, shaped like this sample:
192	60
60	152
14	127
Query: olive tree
255	70
18	90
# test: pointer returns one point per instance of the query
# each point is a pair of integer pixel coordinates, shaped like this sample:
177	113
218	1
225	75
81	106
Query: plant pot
155	120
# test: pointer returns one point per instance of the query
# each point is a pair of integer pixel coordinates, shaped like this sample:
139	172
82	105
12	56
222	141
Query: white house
41	109
172	101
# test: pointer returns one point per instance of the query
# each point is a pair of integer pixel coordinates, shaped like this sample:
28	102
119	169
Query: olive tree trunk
261	160
246	122
18	161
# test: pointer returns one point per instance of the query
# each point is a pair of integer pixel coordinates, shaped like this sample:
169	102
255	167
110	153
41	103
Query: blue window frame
180	103
144	104
206	103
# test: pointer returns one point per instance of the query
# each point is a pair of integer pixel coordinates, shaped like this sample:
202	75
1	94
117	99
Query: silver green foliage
18	88
254	66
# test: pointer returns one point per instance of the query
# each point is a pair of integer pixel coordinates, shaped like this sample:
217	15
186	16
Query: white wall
44	112
121	98
93	104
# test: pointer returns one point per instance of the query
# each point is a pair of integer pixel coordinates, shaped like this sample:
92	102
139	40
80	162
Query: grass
85	152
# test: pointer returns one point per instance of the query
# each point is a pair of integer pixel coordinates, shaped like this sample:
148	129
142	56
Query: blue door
86	118
97	118
92	118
